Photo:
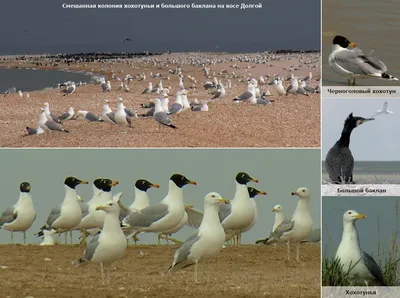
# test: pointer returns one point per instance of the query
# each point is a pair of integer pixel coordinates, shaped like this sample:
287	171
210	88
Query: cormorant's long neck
345	137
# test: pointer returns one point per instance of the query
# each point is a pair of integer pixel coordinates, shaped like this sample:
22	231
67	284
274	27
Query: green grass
333	273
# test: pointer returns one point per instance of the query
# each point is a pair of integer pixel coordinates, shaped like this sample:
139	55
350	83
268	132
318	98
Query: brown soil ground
38	271
291	121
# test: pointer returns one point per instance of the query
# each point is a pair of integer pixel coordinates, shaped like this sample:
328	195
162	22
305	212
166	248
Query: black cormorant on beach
339	161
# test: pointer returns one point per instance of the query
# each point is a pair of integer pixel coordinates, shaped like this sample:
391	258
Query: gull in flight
384	110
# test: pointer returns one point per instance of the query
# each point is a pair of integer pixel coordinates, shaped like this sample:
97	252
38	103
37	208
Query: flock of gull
107	224
159	108
216	86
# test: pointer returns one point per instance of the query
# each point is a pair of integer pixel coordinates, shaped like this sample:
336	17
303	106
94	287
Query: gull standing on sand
69	89
148	89
247	95
108	115
294	85
206	242
180	84
106	86
301	89
102	194
353	63
185	101
89	116
50	116
279	88
160	116
220	93
67	115
20	217
308	78
363	266
163	216
69	214
176	107
200	108
109	245
241	212
48	125
298	227
279	218
120	116
253	192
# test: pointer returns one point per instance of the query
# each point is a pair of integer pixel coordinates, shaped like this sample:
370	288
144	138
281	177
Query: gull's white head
214	198
120	99
46	104
71	110
277	208
41	110
157	101
352	216
106	101
302	193
109	207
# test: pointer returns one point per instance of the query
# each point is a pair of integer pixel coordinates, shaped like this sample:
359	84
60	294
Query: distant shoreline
147	53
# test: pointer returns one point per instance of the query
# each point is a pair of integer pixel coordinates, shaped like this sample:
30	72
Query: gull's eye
213	196
349	212
110	204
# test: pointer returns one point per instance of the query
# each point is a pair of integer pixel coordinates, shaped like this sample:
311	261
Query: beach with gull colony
169	100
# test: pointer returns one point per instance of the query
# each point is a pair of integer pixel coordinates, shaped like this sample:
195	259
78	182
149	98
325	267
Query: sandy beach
246	271
290	121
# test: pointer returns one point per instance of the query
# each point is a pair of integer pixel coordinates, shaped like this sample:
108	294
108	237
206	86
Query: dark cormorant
339	161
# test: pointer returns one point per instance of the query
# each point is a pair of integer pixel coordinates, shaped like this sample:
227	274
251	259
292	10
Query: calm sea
30	79
372	172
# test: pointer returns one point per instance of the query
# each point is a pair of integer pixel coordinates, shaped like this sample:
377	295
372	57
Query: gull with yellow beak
94	219
69	214
360	265
206	242
109	245
353	63
279	218
297	228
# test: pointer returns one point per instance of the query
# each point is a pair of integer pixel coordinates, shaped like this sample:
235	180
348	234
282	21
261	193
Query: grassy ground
333	273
